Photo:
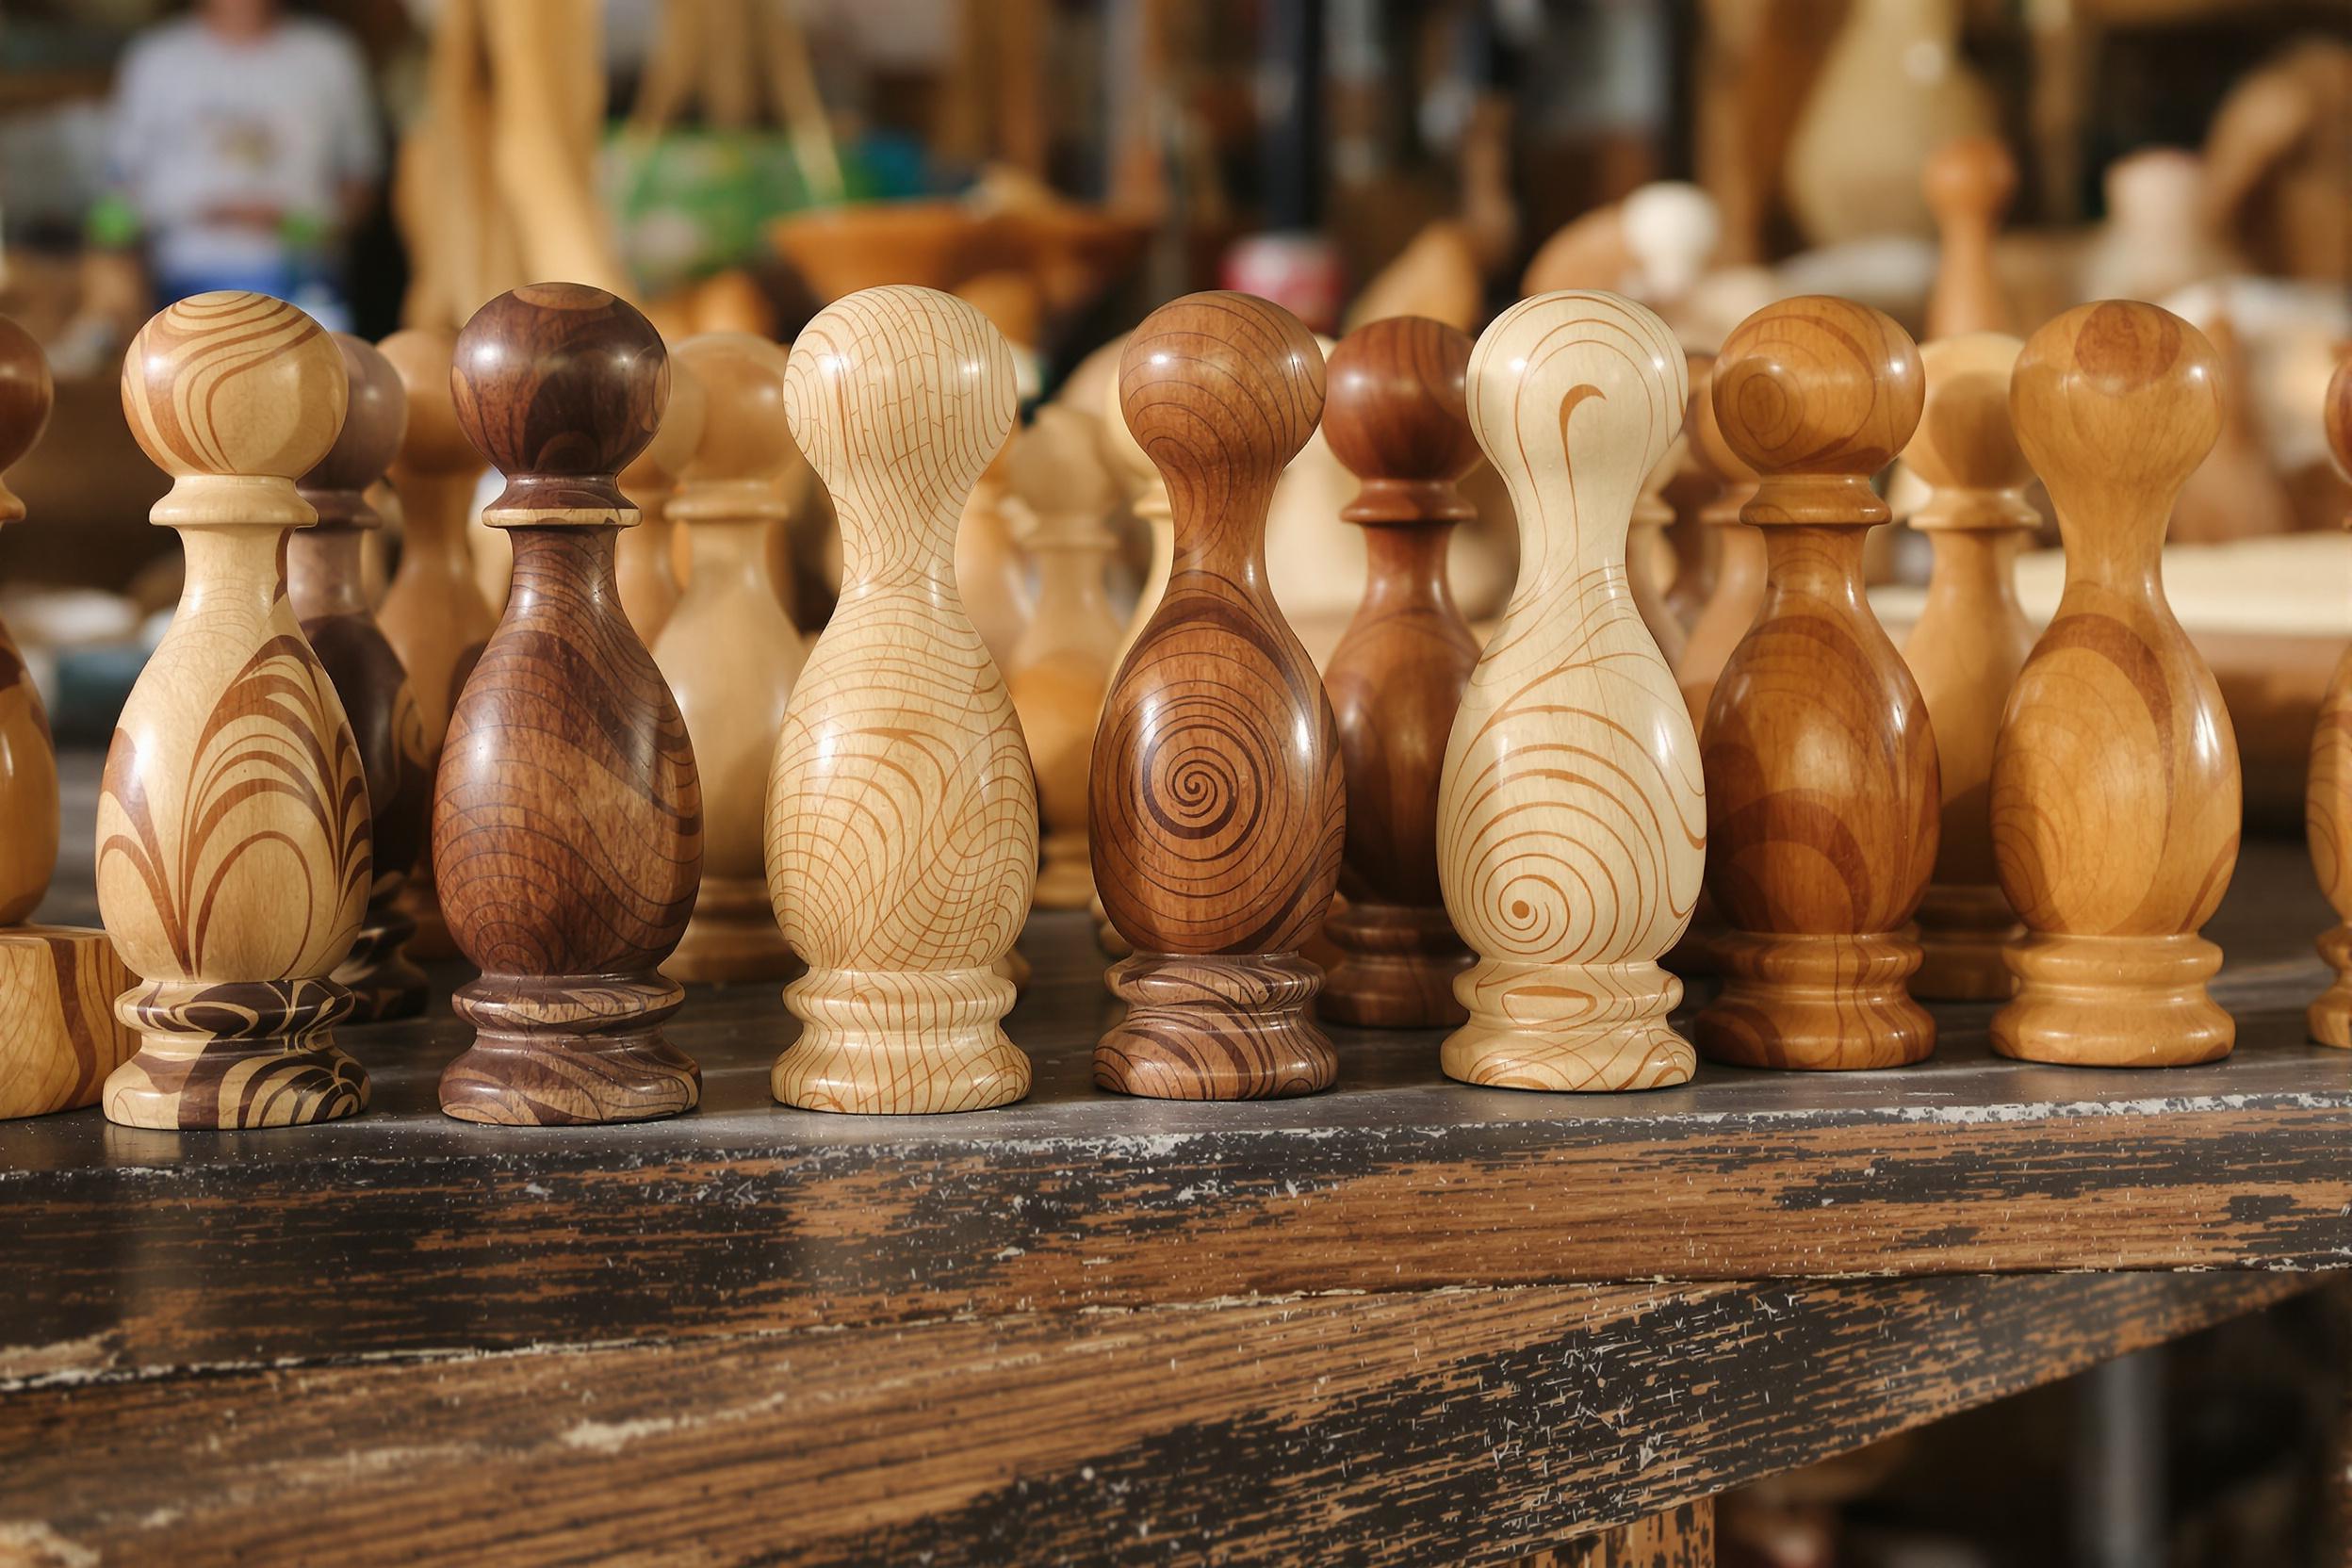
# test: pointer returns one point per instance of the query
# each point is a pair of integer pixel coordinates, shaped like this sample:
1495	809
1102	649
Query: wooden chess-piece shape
59	1035
731	654
1062	665
433	614
902	811
1969	183
233	837
1738	595
643	557
1148	490
1966	648
1572	828
324	578
1395	416
1647	554
1219	809
2327	791
990	571
2116	786
2236	492
1690	486
1821	796
567	812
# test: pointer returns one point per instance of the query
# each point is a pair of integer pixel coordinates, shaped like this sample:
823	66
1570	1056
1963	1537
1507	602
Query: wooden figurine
1396	417
1148	492
433	614
990	571
731	654
643	555
2115	787
324	579
567	813
1648	556
902	812
1572	825
2327	797
1966	648
1737	593
233	859
1062	665
59	1035
1217	805
1969	183
2236	492
1821	798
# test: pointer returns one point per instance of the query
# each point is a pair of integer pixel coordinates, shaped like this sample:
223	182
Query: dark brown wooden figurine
1821	796
323	577
568	816
1396	418
1217	803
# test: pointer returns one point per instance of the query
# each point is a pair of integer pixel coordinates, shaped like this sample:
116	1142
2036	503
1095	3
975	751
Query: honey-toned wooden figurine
643	555
233	837
1062	665
567	812
2327	794
1966	648
731	653
433	614
323	574
59	1035
901	830
1821	797
1737	593
2115	787
1218	806
1397	417
1572	826
1968	182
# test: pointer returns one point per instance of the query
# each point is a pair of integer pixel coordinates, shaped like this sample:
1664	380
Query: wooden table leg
1680	1537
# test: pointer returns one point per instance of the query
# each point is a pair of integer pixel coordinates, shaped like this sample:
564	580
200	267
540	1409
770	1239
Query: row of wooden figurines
1522	827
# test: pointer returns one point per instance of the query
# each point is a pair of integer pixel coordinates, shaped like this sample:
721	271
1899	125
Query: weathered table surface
1403	1322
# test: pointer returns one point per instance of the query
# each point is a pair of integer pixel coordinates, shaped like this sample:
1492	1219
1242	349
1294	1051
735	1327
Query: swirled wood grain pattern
567	810
1572	825
2115	787
324	579
232	854
1217	805
1822	795
2327	791
1966	648
902	834
1396	418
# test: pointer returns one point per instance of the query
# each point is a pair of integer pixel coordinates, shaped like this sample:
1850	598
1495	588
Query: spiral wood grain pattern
2114	788
1572	821
902	821
2327	794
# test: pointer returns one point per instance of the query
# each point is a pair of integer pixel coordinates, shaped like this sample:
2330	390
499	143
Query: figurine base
1219	1027
2330	1016
1568	1027
731	938
1066	880
568	1051
899	1044
1817	1003
384	984
1397	968
234	1054
59	1035
1964	930
2114	1001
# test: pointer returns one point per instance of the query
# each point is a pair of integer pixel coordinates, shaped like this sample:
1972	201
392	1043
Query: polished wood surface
2327	797
567	810
1571	830
2114	789
1969	183
902	824
1218	806
1147	496
729	653
1736	594
1396	417
1966	648
1821	796
643	557
232	863
28	763
326	583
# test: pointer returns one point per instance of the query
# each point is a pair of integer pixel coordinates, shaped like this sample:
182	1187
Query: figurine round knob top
1969	175
1601	360
373	421
558	386
26	392
2117	393
234	384
1819	386
1221	389
1965	440
744	434
2337	415
1058	466
434	441
1397	407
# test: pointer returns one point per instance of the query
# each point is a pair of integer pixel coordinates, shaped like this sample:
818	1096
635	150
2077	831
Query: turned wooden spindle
1218	806
433	614
1148	493
1822	800
1647	553
2115	787
233	837
643	557
1062	665
902	812
1395	416
2327	794
1968	182
1966	648
1572	828
731	653
59	1035
325	578
567	812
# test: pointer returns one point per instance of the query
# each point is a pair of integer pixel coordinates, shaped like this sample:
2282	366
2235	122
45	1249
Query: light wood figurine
645	557
2327	797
